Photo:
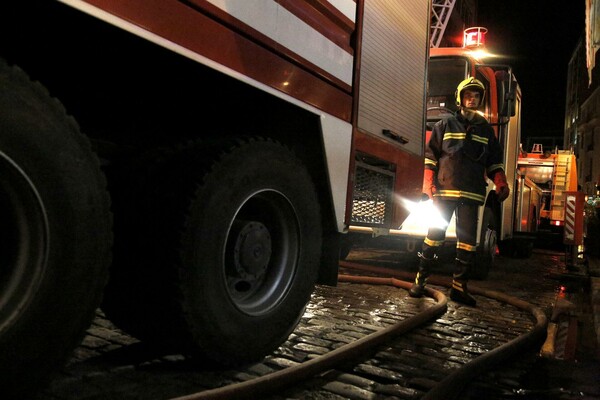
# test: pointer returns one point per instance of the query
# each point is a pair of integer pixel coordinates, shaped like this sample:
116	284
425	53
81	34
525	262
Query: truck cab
498	225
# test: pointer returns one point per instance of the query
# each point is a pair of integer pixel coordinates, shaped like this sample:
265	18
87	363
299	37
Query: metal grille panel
372	196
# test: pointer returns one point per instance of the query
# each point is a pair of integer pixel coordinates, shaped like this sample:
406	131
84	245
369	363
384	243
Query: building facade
582	116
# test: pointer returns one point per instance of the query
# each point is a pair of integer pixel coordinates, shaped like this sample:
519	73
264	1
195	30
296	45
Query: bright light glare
480	54
426	213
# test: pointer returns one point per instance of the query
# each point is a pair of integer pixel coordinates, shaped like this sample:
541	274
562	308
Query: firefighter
462	150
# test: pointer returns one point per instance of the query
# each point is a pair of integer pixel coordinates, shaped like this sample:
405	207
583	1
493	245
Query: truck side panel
184	164
393	68
214	36
163	139
389	136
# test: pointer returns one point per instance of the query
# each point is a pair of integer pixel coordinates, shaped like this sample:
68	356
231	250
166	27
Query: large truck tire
225	252
55	234
486	251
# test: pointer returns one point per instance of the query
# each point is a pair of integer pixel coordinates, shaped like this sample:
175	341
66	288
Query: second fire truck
543	177
500	225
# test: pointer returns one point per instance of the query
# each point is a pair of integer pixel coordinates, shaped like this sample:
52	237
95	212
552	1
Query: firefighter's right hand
429	188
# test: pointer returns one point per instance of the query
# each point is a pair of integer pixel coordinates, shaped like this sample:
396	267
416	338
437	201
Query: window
485	105
444	76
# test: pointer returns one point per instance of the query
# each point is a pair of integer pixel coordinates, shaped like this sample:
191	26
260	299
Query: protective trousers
466	231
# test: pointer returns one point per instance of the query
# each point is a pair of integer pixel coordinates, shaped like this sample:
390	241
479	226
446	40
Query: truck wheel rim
262	252
23	241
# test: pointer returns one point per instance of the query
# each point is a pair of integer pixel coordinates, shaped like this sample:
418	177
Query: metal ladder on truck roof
441	10
562	165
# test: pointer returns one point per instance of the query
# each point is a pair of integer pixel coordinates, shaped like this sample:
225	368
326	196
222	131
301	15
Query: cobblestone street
571	300
112	365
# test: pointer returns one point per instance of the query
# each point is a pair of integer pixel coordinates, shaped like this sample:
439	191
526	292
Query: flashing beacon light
474	37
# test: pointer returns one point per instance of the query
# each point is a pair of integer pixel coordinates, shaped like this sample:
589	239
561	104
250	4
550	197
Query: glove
428	185
502	190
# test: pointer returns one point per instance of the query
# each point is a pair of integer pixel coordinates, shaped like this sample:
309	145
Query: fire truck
187	165
545	176
501	226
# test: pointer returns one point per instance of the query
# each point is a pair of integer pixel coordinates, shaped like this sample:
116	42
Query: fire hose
449	388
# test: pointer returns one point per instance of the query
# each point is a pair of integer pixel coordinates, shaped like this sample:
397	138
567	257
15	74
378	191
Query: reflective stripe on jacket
462	153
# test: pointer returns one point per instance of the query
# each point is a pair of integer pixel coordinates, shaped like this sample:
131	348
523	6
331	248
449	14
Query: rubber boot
418	287
459	291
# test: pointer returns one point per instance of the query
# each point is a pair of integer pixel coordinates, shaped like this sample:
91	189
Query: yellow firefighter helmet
471	84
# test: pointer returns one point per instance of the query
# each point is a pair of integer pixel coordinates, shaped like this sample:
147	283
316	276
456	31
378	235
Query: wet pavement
567	365
113	365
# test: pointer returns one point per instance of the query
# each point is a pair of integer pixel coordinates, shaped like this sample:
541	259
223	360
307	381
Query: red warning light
474	37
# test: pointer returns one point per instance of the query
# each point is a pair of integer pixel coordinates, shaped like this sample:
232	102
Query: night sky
538	39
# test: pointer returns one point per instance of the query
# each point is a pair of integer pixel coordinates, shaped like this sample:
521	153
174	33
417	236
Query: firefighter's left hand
502	190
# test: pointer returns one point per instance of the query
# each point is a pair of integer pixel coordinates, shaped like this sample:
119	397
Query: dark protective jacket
462	153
